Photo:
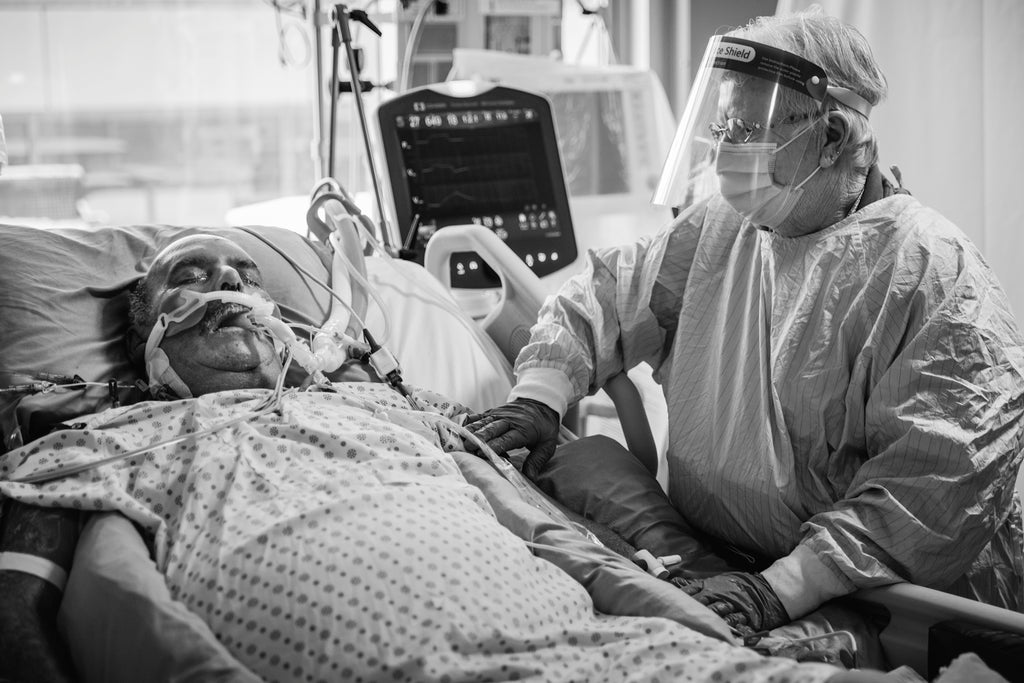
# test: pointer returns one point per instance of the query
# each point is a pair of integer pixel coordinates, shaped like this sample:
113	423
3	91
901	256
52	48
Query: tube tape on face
188	314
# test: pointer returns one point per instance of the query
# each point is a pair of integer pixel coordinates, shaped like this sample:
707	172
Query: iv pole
341	34
318	147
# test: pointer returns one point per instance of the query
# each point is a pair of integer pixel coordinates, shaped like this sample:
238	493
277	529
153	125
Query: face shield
747	128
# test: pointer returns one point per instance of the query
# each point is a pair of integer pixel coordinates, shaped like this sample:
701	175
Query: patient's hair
140	308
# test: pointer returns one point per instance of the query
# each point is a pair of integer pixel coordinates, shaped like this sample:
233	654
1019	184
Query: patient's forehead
196	247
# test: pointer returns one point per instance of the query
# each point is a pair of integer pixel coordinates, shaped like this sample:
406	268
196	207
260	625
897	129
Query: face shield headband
746	93
188	311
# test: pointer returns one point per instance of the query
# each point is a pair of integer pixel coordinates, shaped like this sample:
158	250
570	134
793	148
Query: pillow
438	346
64	308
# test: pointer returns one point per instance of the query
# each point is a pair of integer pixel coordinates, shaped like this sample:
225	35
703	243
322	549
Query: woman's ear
837	135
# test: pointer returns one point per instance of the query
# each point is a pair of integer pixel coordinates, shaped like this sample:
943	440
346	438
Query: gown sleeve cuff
803	582
547	385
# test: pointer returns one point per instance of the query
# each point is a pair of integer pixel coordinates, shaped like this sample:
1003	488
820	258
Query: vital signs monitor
461	152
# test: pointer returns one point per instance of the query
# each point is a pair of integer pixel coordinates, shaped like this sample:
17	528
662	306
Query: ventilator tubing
186	315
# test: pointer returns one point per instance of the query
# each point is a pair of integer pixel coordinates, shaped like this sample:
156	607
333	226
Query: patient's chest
352	527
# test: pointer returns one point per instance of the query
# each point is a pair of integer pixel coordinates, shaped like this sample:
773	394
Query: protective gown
848	403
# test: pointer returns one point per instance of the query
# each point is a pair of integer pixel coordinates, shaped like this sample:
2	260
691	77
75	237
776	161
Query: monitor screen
489	159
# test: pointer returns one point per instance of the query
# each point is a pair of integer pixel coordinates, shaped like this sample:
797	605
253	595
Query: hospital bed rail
916	612
508	324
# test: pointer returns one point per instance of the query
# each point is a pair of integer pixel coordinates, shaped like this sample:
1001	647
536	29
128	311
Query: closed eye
189	276
251	278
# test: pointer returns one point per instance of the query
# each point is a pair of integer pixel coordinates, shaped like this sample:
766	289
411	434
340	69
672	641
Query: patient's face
223	351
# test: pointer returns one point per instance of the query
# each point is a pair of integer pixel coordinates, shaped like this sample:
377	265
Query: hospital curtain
954	117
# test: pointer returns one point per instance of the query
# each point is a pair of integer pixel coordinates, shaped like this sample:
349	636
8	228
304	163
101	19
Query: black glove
523	423
745	601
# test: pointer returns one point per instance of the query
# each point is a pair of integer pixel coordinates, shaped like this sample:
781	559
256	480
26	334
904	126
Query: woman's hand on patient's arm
746	601
523	423
30	647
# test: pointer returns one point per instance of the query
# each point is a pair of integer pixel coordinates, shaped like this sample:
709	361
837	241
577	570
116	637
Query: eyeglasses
741	131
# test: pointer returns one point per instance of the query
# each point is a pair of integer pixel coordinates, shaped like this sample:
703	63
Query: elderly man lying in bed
330	535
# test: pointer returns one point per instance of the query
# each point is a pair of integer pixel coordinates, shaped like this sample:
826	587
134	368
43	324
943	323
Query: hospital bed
64	309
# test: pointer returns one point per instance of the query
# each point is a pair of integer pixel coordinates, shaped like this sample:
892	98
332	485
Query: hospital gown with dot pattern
336	539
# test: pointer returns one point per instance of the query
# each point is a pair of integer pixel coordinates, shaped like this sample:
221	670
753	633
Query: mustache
217	312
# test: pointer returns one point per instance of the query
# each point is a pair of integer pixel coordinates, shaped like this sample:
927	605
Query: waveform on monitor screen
440	137
453	198
450	168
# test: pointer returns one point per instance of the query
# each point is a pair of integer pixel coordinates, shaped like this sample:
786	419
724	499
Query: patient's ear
135	336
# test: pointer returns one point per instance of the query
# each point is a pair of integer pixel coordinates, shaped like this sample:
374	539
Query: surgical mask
189	310
746	180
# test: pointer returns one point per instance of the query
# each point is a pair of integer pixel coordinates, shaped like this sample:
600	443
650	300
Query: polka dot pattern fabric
336	539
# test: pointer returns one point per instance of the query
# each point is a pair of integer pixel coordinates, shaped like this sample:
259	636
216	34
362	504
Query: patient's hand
523	423
746	601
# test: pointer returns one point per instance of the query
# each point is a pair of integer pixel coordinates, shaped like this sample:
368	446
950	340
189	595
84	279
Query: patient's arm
30	648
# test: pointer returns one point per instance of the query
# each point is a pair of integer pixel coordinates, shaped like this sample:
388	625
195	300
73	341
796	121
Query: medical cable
340	195
411	45
590	558
386	366
485	343
284	52
364	225
523	486
384	337
46	387
310	277
565	551
263	406
504	466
